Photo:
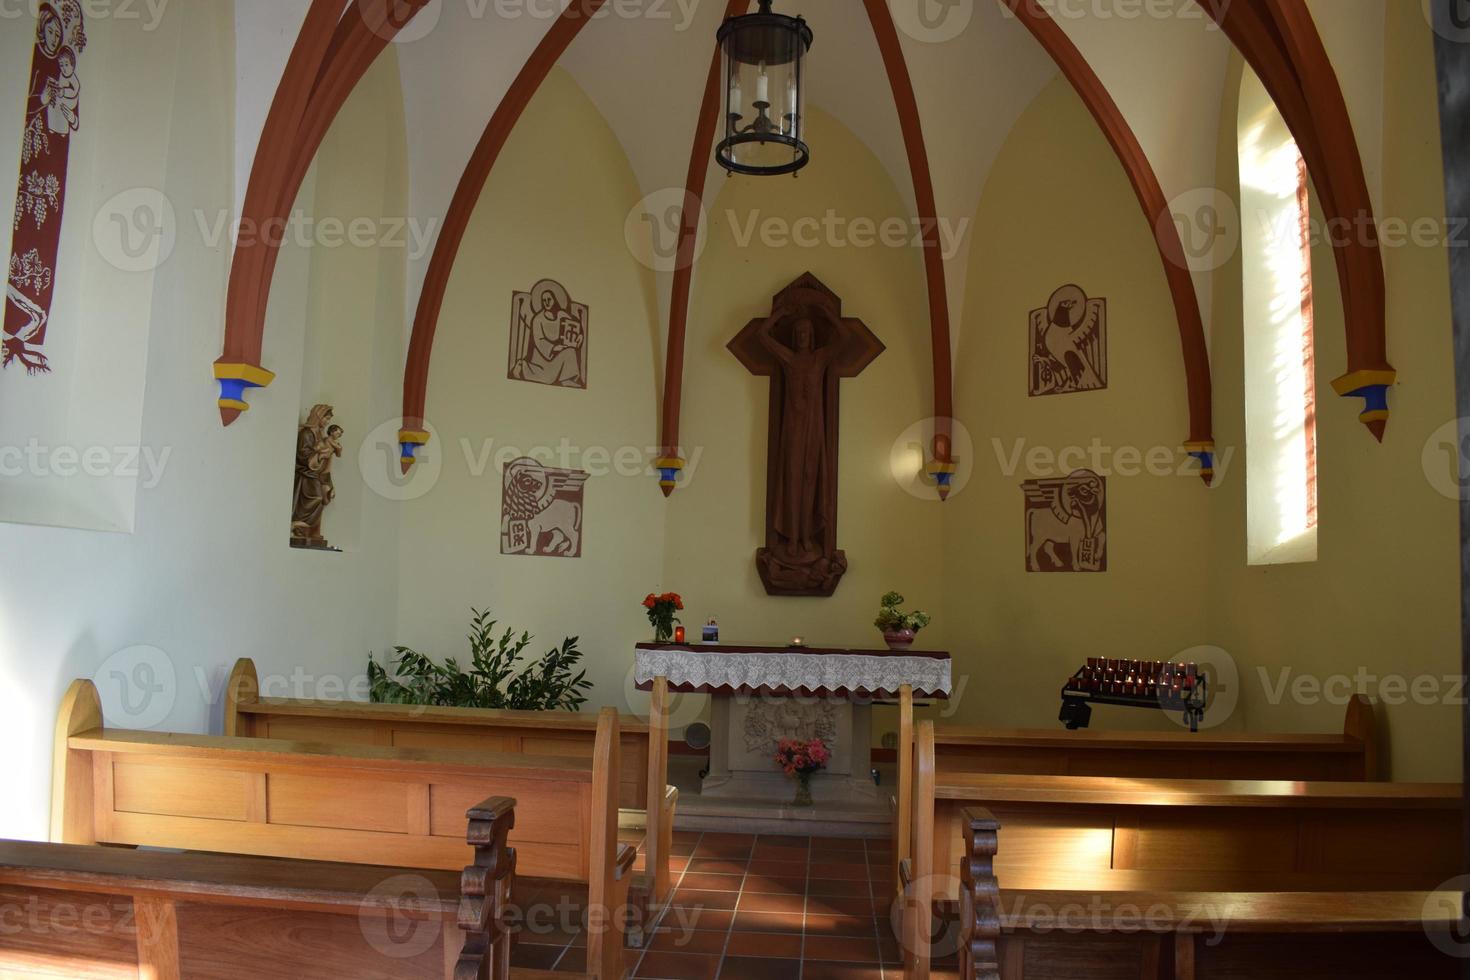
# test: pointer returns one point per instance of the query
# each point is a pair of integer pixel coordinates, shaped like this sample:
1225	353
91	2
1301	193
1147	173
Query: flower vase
663	634
803	790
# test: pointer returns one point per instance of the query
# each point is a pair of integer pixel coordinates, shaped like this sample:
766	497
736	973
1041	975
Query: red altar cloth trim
782	648
840	694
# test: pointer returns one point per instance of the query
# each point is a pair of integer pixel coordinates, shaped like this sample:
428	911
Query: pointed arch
1198	384
563	31
329	58
671	460
1279	40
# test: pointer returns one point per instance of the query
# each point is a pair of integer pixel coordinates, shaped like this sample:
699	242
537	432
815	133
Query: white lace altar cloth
788	670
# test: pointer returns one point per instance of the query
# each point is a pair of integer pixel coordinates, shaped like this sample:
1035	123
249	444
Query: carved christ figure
804	453
806	346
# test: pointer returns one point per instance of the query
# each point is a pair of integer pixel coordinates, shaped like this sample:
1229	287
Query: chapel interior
735	489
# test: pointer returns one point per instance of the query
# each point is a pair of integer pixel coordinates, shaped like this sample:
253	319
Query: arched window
1280	364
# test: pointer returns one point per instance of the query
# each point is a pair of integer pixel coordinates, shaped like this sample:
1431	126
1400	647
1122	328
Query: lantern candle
762	89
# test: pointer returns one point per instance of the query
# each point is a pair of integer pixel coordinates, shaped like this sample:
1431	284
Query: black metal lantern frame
765	97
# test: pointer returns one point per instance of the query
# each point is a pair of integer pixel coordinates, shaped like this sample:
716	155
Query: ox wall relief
1069	344
1067	523
548	337
541	510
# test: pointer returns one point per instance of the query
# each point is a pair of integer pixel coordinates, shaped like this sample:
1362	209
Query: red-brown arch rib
362	34
1342	167
242	313
1150	196
909	120
704	138
467	194
330	57
1280	42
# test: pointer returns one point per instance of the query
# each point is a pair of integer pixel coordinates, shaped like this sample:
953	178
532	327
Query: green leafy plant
494	678
891	617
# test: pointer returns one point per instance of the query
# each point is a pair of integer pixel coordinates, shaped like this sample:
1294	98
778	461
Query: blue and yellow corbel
669	468
1204	451
234	380
409	442
942	473
1371	386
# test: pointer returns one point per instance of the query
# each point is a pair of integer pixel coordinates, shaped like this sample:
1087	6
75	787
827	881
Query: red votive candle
678	634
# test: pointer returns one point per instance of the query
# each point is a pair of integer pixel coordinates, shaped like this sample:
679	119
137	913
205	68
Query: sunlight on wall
1280	389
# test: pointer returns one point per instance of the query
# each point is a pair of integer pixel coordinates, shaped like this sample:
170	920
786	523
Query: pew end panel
241	690
72	775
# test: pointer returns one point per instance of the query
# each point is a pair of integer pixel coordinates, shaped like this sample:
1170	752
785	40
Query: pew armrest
623	863
980	921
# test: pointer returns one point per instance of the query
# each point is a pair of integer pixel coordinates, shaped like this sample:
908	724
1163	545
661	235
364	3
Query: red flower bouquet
661	609
802	760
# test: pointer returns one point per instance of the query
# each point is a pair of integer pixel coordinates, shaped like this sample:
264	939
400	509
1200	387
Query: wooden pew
1084	837
1351	755
1020	934
354	803
1110	833
643	745
89	912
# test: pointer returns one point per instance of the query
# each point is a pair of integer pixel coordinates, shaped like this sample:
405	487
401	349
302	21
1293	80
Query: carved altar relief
768	722
805	346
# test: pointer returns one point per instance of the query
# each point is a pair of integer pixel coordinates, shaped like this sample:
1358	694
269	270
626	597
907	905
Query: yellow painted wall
716	523
554	208
1058	209
1382	597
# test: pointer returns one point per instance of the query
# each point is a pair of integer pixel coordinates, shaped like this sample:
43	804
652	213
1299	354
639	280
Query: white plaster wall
207	575
265	32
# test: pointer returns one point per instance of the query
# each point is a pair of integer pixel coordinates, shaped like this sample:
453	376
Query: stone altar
764	693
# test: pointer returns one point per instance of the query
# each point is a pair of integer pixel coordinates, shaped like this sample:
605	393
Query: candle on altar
678	634
798	641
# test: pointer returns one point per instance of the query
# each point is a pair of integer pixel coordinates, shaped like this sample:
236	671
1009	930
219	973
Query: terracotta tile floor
757	908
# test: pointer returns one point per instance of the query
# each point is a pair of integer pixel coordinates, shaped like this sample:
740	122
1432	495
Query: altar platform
764	693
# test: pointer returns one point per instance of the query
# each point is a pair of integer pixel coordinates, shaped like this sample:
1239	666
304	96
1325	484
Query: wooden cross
806	346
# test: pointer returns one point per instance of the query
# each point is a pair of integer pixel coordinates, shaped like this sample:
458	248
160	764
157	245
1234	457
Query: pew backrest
1014	934
341	722
353	803
643	745
105	912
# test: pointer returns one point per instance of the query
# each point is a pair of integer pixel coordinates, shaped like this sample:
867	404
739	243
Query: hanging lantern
764	93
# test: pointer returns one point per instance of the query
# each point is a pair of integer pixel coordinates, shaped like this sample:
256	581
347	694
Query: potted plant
899	628
495	677
801	761
661	609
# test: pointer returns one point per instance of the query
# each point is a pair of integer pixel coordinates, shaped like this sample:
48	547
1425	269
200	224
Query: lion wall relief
541	510
1067	523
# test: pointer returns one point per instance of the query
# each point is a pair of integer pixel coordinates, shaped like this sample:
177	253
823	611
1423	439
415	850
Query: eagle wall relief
1069	344
541	510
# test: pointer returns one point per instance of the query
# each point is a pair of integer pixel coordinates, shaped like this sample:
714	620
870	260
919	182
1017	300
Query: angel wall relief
541	510
548	337
1067	523
1069	344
